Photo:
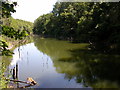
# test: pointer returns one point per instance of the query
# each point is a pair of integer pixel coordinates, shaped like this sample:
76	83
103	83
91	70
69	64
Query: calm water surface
61	64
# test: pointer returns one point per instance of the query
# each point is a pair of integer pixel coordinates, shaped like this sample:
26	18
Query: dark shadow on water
93	67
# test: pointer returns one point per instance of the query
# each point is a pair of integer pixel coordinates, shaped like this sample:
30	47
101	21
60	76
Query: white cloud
29	10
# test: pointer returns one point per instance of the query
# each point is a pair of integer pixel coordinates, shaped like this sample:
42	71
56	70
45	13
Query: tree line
94	23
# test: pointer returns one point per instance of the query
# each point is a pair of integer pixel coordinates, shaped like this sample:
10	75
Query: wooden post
14	73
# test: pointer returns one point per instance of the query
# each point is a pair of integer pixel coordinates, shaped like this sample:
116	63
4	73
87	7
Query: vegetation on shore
17	29
94	23
12	29
12	32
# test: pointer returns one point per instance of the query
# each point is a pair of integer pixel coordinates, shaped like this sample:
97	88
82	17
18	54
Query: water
61	64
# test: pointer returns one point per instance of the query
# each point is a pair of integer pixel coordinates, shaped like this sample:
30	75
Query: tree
7	30
94	23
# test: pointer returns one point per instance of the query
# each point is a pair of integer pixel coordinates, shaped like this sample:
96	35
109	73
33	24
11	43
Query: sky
29	10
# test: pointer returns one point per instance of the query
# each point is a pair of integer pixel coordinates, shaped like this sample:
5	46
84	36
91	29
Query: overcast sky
29	10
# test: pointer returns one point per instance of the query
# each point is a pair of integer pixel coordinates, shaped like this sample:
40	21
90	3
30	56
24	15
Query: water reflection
94	69
39	66
60	64
85	67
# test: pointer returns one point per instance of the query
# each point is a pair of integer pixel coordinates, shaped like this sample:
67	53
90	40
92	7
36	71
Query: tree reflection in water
76	62
94	69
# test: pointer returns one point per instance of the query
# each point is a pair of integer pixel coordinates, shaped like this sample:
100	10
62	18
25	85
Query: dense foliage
12	28
94	23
